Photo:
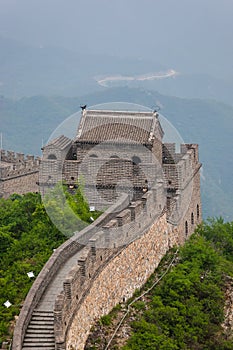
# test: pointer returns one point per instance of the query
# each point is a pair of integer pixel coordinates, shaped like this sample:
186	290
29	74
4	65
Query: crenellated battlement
170	154
16	157
13	164
180	167
19	173
104	246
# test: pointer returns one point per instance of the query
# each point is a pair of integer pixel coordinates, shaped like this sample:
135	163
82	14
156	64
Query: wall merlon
170	154
170	147
30	158
136	208
84	261
99	240
59	301
112	223
124	217
19	157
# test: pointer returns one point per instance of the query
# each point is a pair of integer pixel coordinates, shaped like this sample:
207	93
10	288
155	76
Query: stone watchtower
122	151
116	151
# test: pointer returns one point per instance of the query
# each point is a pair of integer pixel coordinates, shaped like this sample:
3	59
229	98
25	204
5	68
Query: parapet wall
179	167
14	161
115	282
119	258
104	277
182	178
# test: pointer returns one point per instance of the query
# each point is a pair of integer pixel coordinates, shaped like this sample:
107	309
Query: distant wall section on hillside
18	173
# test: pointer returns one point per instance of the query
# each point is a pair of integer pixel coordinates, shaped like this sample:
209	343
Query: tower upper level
119	126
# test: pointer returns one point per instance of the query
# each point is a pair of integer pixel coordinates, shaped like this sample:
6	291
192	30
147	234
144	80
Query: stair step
38	347
42	322
40	344
35	346
39	340
45	331
40	332
43	318
40	326
30	347
36	335
44	313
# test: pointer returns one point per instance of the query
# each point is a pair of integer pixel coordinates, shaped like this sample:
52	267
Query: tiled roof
97	126
60	142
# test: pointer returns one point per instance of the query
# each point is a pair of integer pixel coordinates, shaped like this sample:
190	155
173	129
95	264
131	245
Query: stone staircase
40	332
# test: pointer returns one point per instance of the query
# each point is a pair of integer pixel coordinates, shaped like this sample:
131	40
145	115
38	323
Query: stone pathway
56	284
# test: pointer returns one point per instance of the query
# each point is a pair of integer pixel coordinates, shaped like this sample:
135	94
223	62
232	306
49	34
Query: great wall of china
103	264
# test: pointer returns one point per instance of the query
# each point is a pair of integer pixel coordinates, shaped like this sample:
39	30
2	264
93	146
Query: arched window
186	228
198	211
136	168
136	160
192	219
52	156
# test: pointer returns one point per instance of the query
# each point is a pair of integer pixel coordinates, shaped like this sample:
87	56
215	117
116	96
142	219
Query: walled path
56	285
35	327
40	331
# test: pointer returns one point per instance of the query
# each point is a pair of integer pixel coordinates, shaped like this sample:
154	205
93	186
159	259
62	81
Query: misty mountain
28	71
27	122
203	86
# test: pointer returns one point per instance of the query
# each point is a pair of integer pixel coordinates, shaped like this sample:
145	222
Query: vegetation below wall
185	310
27	240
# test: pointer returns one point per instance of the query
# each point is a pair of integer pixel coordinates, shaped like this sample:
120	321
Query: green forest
27	240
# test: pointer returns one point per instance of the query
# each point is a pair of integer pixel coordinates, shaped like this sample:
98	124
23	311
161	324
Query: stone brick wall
123	253
20	184
191	208
120	277
18	173
104	278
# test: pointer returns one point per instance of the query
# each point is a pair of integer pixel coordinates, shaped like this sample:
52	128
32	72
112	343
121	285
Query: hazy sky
199	31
